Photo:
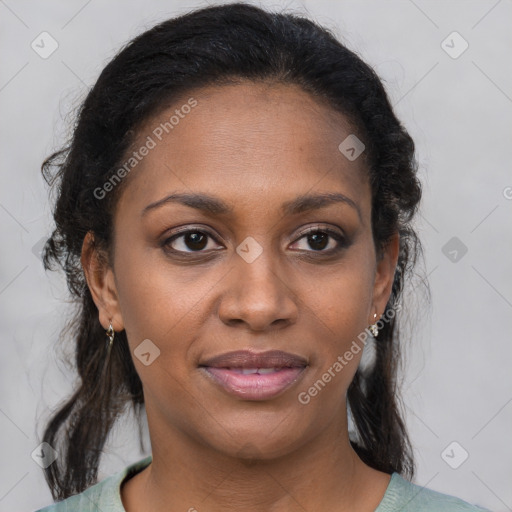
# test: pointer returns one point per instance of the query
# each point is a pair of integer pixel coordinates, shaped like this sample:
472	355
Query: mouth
254	376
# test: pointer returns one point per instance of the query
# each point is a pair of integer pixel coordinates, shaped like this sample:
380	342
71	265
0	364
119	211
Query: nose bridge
257	267
257	294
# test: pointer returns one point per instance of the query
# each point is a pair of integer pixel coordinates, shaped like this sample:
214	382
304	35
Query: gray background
458	110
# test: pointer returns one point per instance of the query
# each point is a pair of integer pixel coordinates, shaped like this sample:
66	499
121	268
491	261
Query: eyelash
340	239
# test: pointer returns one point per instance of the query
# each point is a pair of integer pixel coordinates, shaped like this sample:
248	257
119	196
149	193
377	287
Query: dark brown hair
215	45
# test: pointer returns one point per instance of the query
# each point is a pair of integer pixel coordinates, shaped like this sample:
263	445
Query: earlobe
100	280
385	273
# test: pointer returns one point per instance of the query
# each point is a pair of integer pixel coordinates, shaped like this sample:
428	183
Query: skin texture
255	146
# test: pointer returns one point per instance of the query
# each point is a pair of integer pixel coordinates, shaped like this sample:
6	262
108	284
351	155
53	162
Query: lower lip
254	386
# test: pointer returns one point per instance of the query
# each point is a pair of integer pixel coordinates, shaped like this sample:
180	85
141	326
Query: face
257	265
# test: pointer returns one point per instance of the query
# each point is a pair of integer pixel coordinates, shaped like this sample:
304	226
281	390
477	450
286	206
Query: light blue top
400	496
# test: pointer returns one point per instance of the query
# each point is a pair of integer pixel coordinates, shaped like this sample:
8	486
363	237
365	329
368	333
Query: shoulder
408	497
104	496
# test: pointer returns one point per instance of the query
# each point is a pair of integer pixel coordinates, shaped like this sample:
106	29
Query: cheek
341	310
338	332
159	301
346	297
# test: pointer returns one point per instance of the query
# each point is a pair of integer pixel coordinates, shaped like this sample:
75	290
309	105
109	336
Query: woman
233	216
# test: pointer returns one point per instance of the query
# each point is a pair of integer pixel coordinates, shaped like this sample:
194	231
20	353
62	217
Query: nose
258	295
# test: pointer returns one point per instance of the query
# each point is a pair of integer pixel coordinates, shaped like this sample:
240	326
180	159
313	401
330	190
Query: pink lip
254	386
251	359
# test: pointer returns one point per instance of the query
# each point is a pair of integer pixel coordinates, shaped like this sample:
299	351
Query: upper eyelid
187	229
190	228
319	227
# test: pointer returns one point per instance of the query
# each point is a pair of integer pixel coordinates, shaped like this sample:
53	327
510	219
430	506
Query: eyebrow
214	206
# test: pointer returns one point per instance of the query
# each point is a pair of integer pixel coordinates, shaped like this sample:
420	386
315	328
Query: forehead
243	140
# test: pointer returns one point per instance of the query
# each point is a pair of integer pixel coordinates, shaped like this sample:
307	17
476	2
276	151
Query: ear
384	275
100	279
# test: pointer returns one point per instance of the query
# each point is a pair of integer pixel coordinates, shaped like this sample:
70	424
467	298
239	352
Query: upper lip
250	359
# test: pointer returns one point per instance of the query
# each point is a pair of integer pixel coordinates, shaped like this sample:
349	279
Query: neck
323	472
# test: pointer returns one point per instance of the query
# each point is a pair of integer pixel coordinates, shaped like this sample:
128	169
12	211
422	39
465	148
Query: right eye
194	240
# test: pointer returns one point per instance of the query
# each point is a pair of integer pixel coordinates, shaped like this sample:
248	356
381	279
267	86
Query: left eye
318	239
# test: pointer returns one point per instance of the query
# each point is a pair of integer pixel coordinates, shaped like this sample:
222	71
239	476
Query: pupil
318	238
195	241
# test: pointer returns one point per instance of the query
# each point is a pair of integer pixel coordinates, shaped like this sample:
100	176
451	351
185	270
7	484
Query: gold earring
373	328
110	335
